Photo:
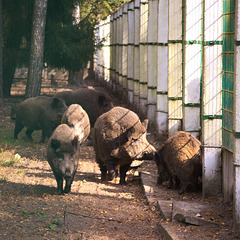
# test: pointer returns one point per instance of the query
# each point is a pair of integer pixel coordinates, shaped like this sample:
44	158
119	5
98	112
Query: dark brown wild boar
179	161
93	101
39	113
76	118
118	138
63	155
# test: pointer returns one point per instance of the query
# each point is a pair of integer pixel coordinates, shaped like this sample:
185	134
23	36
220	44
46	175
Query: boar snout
67	173
150	153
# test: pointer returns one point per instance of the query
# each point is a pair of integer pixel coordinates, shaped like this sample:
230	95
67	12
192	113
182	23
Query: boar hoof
159	180
60	192
104	175
123	182
66	191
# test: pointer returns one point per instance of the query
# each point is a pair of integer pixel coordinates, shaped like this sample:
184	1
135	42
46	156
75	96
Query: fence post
124	51
175	68
96	55
162	68
136	60
115	25
212	98
101	54
107	52
130	67
112	54
192	67
120	49
117	49
236	145
152	60
143	56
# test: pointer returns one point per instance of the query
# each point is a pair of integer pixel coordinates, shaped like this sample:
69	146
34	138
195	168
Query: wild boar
62	156
94	102
39	113
76	118
118	138
179	161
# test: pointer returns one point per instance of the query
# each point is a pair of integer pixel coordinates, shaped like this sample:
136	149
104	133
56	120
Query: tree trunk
76	78
34	79
1	51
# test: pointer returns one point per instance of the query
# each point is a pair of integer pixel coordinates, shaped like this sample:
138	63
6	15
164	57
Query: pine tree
34	79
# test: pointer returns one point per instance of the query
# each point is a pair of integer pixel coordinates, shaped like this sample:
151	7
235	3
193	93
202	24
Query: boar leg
184	186
18	128
43	136
173	182
59	185
67	188
123	172
69	181
103	169
29	134
112	173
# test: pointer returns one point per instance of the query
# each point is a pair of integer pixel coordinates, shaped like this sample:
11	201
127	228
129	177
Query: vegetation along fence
178	63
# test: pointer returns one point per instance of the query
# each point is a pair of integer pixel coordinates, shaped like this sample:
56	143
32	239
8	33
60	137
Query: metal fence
173	61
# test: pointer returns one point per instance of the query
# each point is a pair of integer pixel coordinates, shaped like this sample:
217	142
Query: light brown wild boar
179	161
39	113
118	138
63	155
77	118
94	102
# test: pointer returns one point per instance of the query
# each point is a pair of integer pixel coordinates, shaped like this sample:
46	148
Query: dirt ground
30	207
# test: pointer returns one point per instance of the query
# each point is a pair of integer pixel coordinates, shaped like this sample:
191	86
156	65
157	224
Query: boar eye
55	144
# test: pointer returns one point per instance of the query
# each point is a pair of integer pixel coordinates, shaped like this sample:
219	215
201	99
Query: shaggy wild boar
179	161
93	101
63	156
39	113
118	138
76	118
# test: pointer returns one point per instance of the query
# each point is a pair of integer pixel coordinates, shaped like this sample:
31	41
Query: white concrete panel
192	119
173	127
116	24
212	84
192	73
162	68
136	63
162	103
120	50
162	122
236	202
213	132
175	70
213	20
212	171
175	19
193	19
162	21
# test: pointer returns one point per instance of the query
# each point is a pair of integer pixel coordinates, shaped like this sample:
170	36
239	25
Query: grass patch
8	158
6	139
8	142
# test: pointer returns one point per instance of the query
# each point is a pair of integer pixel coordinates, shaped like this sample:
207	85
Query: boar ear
55	102
145	123
55	144
75	142
101	100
